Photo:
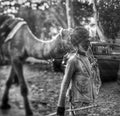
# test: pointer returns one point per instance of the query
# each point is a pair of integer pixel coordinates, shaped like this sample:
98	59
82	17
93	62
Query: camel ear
62	32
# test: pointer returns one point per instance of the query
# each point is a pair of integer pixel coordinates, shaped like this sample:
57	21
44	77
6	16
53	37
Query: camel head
62	43
66	39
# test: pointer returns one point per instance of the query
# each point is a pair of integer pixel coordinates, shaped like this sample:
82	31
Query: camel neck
43	49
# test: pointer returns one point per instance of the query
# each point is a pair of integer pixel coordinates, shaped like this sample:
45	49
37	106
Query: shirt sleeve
69	70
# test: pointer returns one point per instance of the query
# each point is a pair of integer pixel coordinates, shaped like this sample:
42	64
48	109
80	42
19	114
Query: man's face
85	44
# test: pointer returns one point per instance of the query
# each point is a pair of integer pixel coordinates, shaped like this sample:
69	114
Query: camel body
23	45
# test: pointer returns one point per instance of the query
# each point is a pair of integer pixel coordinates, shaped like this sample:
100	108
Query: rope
76	109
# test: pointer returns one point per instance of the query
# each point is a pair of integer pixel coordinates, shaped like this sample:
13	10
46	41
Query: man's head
80	38
78	35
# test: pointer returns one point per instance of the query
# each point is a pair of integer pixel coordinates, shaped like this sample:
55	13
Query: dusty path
44	89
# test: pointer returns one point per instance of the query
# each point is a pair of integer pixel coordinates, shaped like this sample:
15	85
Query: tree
69	12
55	13
99	29
109	16
82	10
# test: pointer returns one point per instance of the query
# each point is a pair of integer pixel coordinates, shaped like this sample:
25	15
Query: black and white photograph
59	57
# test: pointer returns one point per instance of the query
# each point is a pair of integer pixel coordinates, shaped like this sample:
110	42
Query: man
78	73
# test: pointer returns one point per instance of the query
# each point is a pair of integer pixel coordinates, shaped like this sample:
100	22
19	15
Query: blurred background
46	17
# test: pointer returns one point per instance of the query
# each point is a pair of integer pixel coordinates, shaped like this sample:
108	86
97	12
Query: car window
105	49
100	49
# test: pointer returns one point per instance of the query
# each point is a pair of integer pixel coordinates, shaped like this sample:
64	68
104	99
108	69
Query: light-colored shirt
78	79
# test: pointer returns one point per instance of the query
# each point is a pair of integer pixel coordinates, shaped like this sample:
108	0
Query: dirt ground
44	89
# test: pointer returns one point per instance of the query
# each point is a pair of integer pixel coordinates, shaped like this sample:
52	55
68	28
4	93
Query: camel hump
7	23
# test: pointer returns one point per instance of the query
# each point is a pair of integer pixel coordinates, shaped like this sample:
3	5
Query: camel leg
5	97
17	64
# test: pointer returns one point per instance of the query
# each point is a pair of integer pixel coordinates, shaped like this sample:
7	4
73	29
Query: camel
25	44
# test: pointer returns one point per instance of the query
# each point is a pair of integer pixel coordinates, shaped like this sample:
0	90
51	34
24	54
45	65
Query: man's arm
69	70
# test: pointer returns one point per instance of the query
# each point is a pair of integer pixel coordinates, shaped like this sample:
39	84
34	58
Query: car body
108	57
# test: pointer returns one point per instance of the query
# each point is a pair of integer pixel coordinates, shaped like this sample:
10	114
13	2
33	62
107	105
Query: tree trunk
99	29
69	12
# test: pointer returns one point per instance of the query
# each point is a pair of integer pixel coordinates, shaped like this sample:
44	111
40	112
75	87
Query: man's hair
79	34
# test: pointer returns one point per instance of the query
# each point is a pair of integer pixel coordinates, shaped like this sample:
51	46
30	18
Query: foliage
45	16
33	18
81	12
108	11
109	16
49	15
